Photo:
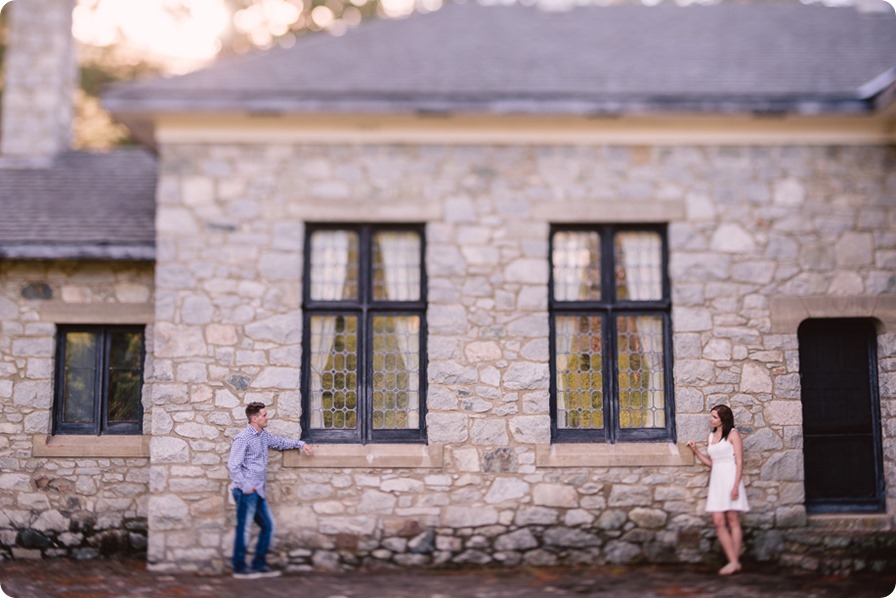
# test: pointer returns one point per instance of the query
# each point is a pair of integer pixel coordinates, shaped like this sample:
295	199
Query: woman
726	497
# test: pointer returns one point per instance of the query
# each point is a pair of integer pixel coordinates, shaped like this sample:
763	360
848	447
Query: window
611	358
99	380
364	327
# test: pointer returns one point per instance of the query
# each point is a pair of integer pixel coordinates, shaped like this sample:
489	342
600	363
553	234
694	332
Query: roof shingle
626	58
83	205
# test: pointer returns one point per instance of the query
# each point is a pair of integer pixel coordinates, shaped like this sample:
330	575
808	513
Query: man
248	466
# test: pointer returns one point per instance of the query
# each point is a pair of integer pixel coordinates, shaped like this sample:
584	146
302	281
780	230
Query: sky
186	38
190	31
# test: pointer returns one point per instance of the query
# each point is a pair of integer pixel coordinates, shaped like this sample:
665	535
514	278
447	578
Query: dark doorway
841	415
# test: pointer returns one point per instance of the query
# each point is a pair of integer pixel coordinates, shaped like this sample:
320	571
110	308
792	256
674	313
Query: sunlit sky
186	33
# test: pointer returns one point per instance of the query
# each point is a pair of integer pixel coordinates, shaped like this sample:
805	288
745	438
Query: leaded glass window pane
576	265
362	349
334	265
639	265
80	377
396	372
639	340
579	370
396	266
610	308
334	372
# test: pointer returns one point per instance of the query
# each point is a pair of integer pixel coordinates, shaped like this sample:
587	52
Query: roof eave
138	112
79	251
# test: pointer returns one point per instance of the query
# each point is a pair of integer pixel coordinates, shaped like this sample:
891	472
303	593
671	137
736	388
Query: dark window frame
608	308
365	308
100	425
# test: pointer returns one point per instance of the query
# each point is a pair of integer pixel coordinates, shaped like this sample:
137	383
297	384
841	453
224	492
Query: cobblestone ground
110	578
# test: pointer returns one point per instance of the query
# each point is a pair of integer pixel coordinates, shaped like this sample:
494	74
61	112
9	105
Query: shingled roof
757	57
82	206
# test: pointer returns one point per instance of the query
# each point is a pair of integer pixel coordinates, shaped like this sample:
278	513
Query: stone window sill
376	456
857	522
91	446
614	455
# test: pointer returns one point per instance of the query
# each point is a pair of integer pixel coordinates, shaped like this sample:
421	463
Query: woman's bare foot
729	569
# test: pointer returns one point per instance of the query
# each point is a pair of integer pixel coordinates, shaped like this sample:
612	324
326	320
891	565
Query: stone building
496	263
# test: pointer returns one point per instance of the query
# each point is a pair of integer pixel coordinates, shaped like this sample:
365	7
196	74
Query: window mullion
365	344
365	375
611	373
100	381
610	361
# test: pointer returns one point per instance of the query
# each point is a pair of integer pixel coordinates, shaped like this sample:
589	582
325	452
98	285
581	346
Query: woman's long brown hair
727	417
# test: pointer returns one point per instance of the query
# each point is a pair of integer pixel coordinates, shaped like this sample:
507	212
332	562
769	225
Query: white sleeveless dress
721	479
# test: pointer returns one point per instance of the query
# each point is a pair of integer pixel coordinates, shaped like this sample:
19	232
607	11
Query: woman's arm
703	458
736	442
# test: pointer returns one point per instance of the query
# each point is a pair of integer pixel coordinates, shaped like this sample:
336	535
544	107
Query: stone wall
748	227
88	497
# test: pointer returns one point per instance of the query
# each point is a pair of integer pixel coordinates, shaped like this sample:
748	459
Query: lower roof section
79	205
82	251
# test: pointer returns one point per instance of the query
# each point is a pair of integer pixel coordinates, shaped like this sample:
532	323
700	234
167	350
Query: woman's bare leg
737	534
721	522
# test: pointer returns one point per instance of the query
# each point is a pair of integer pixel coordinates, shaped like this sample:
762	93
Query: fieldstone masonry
745	225
80	501
748	226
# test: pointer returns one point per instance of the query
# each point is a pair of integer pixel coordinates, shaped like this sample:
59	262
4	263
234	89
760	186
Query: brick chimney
39	79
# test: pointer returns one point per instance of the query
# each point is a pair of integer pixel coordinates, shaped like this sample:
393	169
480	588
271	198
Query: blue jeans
251	507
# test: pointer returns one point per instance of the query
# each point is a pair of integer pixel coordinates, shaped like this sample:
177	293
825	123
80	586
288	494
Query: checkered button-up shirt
248	463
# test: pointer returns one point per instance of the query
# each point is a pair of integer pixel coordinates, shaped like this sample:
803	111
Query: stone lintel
131	446
60	312
358	211
373	456
632	454
788	312
610	211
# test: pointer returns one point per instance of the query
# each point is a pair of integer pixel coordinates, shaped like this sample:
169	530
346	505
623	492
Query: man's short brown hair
253	409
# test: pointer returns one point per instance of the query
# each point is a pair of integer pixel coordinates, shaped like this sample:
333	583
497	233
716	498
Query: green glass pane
124	395
396	374
579	380
80	350
125	349
641	372
334	375
79	377
79	396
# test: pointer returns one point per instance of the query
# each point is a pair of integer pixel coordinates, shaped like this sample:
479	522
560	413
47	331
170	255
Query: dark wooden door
841	415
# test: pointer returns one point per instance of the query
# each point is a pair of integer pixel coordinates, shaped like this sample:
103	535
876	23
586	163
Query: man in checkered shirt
248	466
